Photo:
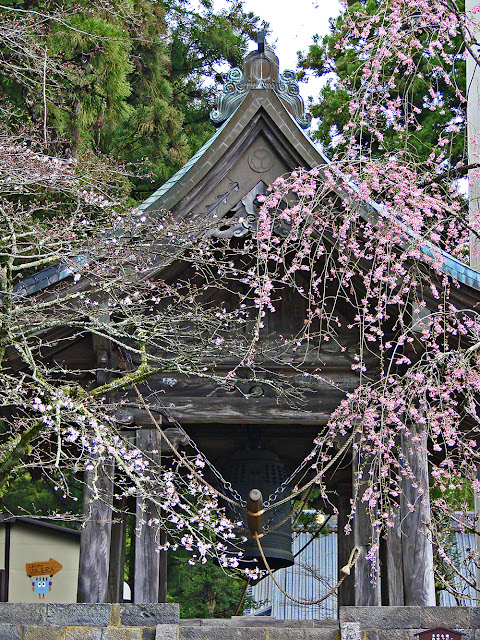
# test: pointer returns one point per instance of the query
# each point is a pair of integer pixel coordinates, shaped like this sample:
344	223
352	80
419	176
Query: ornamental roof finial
261	41
260	71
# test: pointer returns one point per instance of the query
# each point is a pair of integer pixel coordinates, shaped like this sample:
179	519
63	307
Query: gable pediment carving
242	219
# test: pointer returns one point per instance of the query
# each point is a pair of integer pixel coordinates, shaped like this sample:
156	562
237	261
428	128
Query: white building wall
33	544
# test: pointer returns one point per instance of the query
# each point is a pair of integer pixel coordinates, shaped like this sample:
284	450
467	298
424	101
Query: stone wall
402	623
41	621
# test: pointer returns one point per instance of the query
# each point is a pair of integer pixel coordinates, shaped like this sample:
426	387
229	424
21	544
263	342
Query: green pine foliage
325	58
32	494
204	590
132	80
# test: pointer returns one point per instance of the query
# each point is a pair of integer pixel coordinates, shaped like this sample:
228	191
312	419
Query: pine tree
416	129
134	81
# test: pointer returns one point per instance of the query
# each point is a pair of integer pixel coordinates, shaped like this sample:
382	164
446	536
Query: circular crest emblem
260	160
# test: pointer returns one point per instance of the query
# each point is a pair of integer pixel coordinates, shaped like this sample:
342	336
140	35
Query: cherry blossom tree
374	242
383	234
75	260
66	224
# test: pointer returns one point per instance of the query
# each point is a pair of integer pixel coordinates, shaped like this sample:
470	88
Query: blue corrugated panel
315	573
313	576
465	596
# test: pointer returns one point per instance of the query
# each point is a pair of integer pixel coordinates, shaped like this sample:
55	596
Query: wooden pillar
476	506
131	557
392	571
418	576
118	544
346	592
367	575
162	589
96	535
147	559
383	565
473	134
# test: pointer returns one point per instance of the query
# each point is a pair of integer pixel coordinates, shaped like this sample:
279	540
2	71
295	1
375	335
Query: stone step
257	621
250	630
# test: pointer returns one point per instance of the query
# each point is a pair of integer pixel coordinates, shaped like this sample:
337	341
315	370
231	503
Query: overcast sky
293	24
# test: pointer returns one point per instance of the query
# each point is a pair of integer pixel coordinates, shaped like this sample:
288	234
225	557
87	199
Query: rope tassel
351	561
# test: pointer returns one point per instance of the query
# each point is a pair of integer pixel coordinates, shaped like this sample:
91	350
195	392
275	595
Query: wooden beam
418	576
96	535
147	558
367	574
315	411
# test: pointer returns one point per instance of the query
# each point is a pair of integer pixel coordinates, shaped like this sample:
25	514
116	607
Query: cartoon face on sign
41	572
41	586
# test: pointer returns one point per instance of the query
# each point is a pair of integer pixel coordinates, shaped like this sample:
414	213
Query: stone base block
382	617
10	632
289	630
122	633
23	613
149	615
82	615
43	633
447	617
83	633
166	632
350	631
222	633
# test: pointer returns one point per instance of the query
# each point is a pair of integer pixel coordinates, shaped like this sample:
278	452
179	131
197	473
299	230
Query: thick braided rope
345	570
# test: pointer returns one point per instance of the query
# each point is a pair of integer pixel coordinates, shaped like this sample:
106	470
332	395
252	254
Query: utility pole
473	134
473	129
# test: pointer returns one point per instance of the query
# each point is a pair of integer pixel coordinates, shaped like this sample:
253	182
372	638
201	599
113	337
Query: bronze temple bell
263	470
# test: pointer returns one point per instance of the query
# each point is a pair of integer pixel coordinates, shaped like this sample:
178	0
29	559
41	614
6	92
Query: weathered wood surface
418	576
367	575
476	506
78	354
162	587
96	536
118	543
336	365
346	591
245	410
392	575
147	559
226	164
473	128
339	384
